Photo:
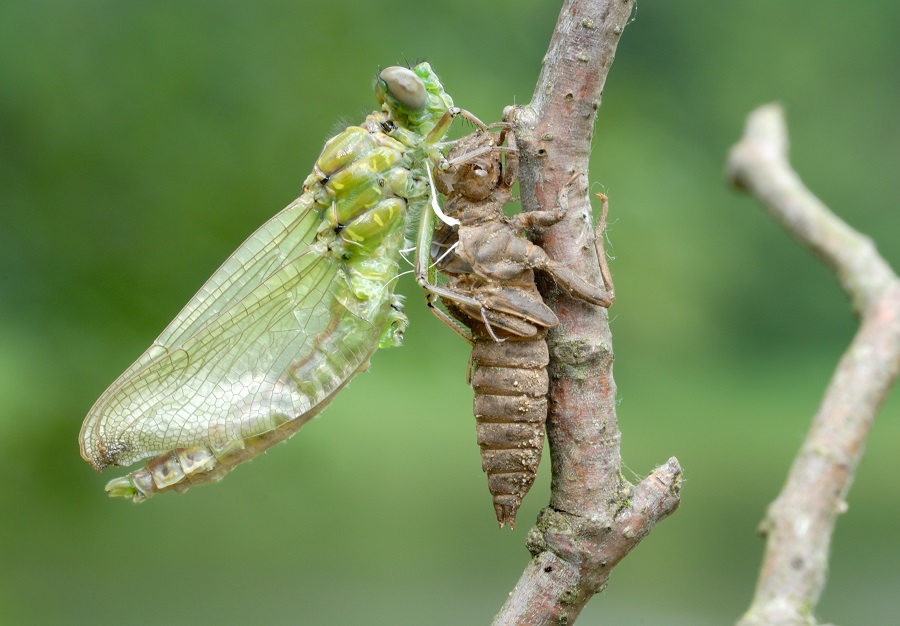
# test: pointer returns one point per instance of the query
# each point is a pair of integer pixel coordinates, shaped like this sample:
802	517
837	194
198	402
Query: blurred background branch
799	524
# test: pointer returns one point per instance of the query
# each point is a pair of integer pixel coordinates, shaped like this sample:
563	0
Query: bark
595	517
799	523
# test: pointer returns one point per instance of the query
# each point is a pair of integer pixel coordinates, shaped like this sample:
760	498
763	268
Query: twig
595	517
800	522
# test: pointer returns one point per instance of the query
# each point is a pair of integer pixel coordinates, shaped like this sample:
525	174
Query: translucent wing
289	318
258	346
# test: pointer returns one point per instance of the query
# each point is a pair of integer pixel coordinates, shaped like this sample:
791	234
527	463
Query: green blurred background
140	143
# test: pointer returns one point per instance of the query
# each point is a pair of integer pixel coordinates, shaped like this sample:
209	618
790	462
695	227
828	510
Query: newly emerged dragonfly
292	315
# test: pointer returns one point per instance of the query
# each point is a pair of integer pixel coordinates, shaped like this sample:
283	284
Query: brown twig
800	522
595	517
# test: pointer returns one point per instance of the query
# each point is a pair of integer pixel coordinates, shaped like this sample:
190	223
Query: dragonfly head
401	87
414	97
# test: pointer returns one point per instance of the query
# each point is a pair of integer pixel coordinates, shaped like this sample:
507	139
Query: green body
288	319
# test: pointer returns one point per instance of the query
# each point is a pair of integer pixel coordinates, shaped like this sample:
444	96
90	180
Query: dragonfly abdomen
510	383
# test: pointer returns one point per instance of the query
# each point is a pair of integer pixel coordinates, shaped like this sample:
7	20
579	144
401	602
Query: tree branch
595	517
800	522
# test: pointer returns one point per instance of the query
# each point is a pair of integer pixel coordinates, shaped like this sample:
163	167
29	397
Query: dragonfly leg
431	301
599	234
477	152
535	257
454	111
425	270
433	292
511	162
443	124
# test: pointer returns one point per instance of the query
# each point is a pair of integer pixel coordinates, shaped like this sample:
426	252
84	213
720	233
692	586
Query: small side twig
801	520
595	516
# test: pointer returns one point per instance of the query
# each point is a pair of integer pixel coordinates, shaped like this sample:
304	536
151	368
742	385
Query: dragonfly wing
265	341
285	236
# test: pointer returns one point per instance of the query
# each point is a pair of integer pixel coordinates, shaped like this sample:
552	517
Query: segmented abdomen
510	382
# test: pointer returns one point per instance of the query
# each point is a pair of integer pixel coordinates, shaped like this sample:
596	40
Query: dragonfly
293	314
486	257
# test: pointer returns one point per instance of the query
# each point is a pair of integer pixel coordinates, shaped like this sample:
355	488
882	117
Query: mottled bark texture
799	523
594	517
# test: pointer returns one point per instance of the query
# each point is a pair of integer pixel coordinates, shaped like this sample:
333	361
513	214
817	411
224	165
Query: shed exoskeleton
487	260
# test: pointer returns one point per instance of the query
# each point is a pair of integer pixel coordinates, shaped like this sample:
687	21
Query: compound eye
405	87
